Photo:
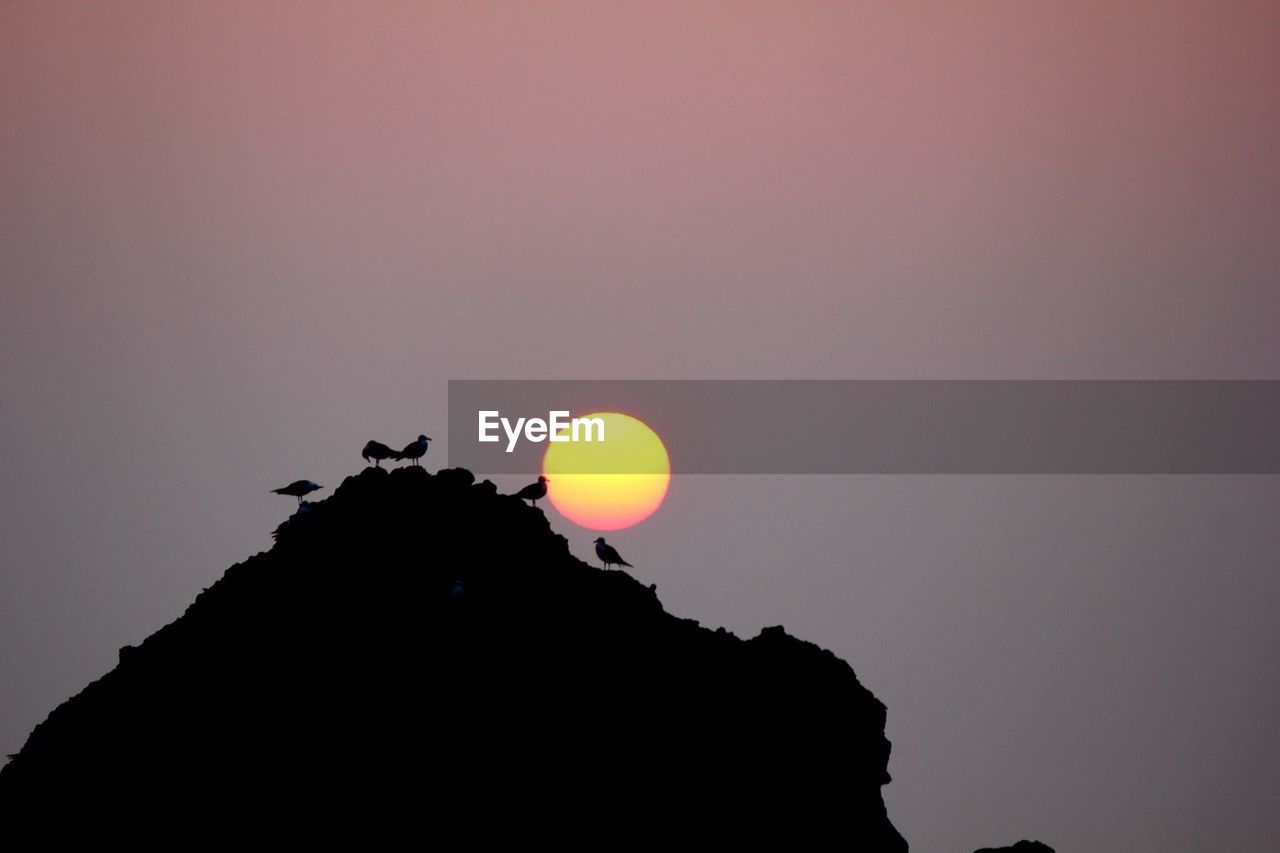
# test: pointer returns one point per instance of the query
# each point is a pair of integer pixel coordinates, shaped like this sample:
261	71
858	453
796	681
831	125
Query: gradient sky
239	239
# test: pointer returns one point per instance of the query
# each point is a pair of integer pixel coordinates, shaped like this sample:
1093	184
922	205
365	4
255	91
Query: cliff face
419	648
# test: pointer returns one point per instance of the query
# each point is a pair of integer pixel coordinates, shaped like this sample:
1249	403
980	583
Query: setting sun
611	484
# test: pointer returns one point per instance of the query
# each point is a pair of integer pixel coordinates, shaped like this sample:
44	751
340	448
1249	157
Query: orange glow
612	484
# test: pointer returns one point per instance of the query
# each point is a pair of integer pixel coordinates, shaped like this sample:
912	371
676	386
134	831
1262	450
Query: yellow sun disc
610	484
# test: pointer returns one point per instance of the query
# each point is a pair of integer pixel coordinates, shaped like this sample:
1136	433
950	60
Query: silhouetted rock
420	653
1020	847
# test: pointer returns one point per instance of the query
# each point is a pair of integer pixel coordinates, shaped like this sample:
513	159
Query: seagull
376	451
414	450
534	491
609	555
297	489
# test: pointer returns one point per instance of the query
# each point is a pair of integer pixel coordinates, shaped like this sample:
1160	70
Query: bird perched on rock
414	450
609	555
298	489
534	491
376	451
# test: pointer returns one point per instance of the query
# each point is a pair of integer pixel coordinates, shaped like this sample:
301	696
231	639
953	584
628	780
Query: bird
298	489
376	451
609	555
534	491
414	450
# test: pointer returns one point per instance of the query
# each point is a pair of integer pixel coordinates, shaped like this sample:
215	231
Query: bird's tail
625	563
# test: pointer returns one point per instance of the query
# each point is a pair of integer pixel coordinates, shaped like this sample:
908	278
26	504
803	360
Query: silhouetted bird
609	555
534	491
414	451
298	489
376	451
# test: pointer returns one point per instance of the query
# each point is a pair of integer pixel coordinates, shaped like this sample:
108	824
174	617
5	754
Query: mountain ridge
419	645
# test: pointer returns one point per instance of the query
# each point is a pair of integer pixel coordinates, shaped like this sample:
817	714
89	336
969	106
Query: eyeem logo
557	427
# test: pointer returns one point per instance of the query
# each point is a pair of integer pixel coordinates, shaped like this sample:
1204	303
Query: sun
610	484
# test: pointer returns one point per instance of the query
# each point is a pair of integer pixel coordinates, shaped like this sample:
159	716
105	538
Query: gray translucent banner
895	427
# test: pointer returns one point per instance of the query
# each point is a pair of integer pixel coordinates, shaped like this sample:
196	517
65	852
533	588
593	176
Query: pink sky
237	240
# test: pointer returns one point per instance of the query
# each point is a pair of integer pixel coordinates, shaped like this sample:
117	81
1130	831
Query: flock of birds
377	452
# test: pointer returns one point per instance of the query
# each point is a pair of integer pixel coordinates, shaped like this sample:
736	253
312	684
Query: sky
237	240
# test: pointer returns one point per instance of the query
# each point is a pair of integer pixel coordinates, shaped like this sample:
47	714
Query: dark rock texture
420	653
1020	847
